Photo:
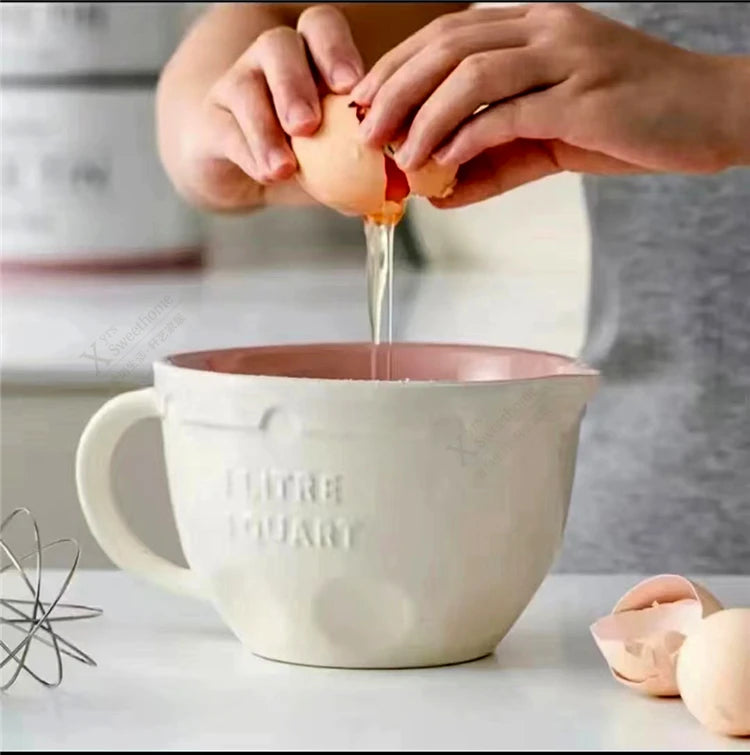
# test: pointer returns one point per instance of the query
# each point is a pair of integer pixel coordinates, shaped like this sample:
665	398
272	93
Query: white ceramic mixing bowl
335	520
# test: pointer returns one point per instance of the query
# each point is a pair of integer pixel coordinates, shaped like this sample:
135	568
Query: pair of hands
511	94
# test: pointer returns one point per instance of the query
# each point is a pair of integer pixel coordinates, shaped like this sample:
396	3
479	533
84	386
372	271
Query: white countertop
170	676
50	323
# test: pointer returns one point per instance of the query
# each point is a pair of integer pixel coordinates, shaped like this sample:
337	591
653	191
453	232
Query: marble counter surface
172	677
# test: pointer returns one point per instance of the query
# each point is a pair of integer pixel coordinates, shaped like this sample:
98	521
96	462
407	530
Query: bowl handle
94	482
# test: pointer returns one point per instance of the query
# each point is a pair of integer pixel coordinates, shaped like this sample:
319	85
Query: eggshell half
713	672
432	180
339	171
335	167
641	638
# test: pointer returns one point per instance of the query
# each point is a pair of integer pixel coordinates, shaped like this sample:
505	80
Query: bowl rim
574	367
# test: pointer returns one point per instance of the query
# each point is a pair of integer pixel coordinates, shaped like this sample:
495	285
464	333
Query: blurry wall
535	235
539	229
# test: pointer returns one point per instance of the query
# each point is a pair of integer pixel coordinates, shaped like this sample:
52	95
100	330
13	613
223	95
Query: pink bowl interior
401	361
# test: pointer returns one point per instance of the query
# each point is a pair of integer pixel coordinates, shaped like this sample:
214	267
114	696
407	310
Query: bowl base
380	667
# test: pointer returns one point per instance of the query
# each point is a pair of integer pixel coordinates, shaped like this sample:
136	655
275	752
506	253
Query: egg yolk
396	184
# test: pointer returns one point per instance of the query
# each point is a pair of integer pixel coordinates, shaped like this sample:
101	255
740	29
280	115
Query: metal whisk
34	618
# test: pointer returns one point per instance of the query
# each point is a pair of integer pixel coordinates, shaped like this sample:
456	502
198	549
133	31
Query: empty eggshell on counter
641	638
713	672
340	171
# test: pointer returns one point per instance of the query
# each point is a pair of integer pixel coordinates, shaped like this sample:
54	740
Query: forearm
737	87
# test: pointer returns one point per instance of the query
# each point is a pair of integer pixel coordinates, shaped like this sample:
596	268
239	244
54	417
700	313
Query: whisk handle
100	508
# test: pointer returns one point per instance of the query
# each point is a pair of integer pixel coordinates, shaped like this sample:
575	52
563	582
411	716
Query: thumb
498	170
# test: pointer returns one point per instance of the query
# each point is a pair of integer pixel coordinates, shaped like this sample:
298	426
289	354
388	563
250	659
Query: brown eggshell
641	638
432	180
713	672
335	167
339	171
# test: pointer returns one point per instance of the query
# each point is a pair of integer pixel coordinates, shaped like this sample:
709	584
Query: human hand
235	154
513	94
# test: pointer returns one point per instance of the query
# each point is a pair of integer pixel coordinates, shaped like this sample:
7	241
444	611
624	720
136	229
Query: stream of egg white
379	238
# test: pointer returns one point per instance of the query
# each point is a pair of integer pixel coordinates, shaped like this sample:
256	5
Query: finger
232	144
580	160
533	116
479	80
508	166
239	193
247	98
444	26
329	39
499	170
280	54
412	84
288	193
224	179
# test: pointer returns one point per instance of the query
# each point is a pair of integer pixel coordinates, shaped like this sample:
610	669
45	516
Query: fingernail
404	157
343	76
299	114
360	93
366	128
278	159
442	157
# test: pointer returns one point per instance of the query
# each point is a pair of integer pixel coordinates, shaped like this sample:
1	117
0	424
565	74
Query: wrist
735	83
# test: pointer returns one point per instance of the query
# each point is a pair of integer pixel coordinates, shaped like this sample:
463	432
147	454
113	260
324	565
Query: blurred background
105	269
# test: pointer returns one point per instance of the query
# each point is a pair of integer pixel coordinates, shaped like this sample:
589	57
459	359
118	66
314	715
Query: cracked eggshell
339	171
432	180
335	167
713	672
641	638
